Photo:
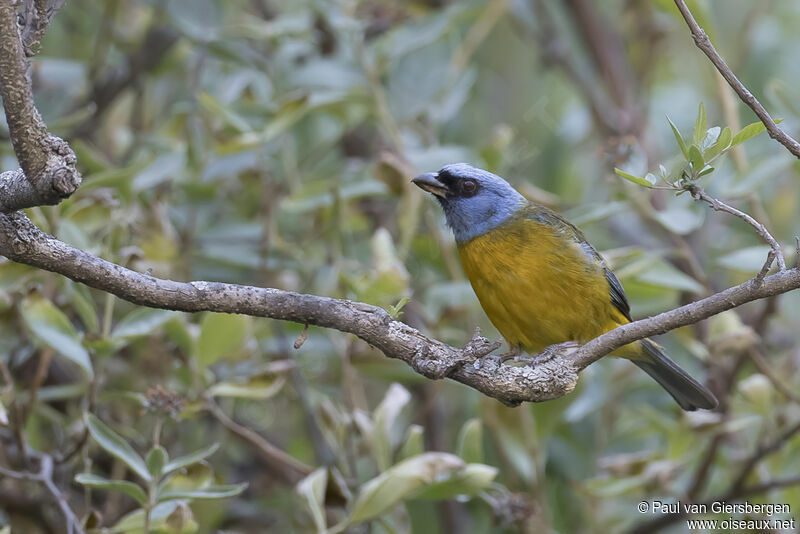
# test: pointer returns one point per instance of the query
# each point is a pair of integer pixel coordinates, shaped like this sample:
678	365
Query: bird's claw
551	351
512	354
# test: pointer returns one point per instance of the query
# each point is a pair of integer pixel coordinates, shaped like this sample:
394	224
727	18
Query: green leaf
133	522
164	168
385	416
470	481
191	458
679	139
128	488
312	489
712	134
414	443
696	158
116	446
700	125
83	304
220	334
751	130
50	326
215	107
708	169
470	441
665	275
680	221
721	144
385	491
141	322
749	259
156	459
395	309
209	492
262	387
632	178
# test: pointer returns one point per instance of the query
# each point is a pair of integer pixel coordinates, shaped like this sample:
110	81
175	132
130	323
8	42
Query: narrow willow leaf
721	144
141	322
706	170
128	488
220	334
680	220
632	178
414	443
116	446
156	460
696	158
209	492
712	134
312	489
679	139
191	458
470	441
700	125
470	480
388	489
751	130
385	416
50	326
262	387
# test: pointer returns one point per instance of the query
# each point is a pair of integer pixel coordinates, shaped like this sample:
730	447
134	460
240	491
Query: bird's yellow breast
538	286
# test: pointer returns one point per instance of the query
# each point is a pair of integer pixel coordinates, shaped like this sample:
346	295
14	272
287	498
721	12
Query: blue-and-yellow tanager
538	279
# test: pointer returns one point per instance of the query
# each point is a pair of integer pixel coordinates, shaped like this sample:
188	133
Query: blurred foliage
271	143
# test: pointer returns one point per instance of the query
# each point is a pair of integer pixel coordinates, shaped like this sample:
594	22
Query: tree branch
22	241
704	43
48	172
38	14
717	205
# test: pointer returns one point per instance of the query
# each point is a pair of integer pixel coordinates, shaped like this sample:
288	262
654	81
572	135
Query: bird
538	279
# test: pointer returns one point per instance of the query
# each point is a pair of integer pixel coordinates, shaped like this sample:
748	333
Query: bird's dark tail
687	391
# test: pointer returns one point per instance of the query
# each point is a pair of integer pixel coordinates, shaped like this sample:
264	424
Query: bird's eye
469	187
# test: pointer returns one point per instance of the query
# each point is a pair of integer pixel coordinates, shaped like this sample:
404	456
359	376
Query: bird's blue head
474	201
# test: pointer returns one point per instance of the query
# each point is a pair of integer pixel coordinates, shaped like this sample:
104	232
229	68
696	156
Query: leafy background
271	143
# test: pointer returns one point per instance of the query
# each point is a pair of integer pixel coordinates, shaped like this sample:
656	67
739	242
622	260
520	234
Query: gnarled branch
22	241
48	172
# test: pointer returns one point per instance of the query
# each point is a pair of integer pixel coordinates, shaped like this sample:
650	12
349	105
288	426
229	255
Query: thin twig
763	366
716	204
704	43
42	367
760	453
737	489
45	477
287	467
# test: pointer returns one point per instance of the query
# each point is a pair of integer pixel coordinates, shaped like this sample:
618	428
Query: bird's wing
618	298
547	216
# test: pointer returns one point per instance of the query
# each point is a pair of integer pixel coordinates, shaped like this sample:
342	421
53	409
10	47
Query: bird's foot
513	353
551	351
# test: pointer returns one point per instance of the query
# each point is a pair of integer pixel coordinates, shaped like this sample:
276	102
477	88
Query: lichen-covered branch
48	172
22	241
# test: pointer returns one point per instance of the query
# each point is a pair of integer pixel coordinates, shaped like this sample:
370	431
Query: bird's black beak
430	182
